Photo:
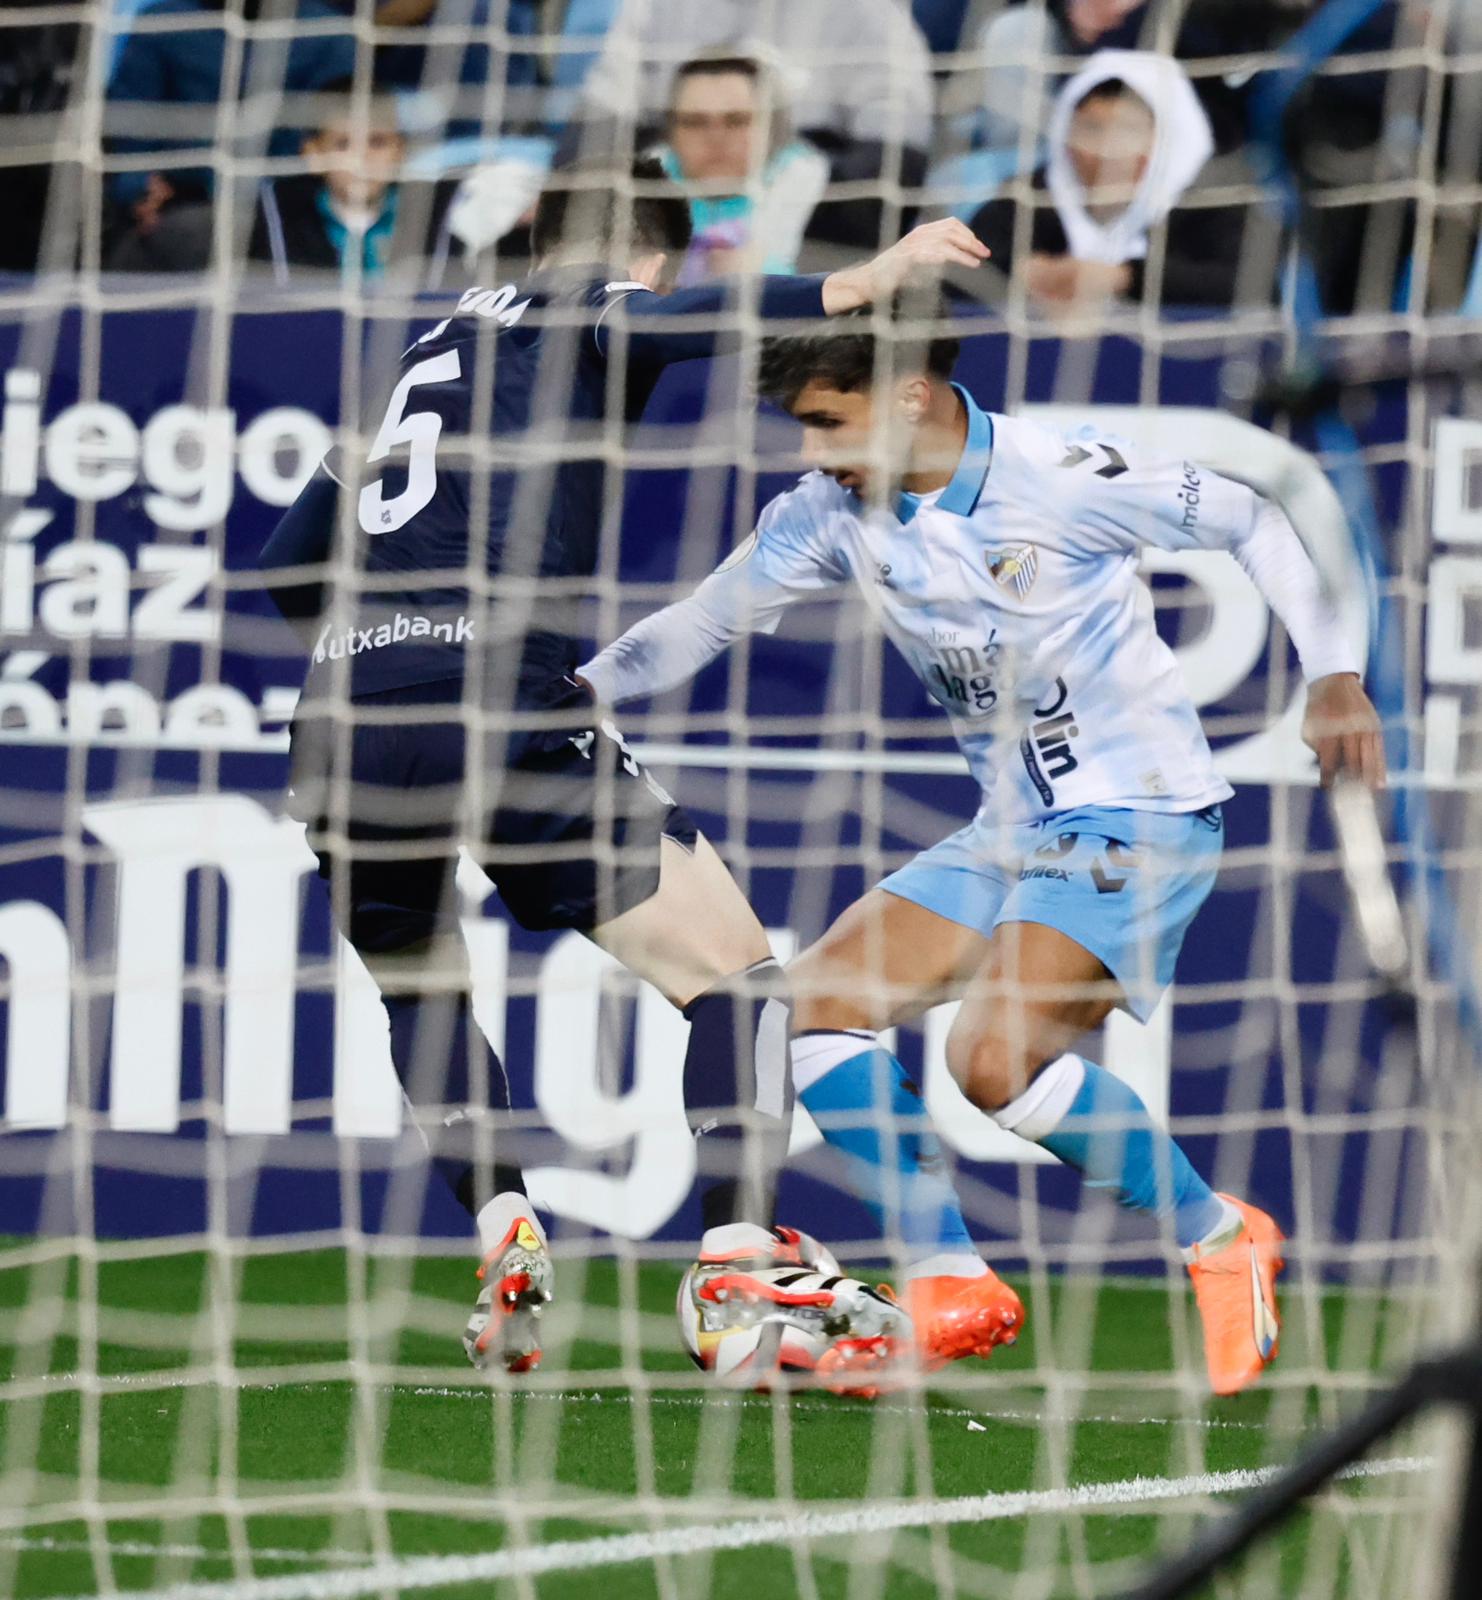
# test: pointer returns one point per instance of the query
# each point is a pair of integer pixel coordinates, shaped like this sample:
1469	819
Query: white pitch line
142	1547
573	1397
874	1408
573	1555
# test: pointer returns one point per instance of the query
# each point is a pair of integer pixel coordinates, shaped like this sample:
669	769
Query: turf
295	1467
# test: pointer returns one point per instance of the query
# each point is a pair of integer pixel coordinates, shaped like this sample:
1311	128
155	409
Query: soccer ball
749	1327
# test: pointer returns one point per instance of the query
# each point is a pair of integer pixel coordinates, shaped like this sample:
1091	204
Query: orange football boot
957	1317
1235	1287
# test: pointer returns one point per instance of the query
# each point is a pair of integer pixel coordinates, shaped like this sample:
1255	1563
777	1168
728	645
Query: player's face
840	436
1109	145
713	124
359	163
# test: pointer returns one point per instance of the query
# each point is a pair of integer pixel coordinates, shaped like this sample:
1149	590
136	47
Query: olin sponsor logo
1045	746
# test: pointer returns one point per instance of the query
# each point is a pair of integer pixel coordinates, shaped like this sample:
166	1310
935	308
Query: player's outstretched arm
1115	495
692	324
780	563
921	255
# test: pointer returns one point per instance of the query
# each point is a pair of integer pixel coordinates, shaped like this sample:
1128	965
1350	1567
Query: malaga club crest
1014	569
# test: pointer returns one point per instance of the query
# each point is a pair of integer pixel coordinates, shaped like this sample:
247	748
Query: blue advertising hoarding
186	1047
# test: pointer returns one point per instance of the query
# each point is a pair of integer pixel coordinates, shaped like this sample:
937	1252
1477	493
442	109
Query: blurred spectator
349	214
1127	139
752	185
456	73
1019	43
858	72
37	61
167	86
940	22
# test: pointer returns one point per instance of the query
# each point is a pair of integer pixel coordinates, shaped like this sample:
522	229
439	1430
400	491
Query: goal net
231	1284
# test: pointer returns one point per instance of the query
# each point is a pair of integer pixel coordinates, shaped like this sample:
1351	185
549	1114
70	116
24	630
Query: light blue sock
867	1108
1107	1135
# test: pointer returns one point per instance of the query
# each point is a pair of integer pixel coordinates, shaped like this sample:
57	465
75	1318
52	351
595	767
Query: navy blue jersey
484	481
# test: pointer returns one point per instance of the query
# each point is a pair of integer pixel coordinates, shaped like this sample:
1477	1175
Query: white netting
231	1291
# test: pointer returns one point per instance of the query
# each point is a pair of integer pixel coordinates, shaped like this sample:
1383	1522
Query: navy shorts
551	803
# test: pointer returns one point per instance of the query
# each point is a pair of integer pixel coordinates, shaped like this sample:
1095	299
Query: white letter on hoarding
1453	652
261	857
188	460
1456	483
91	594
285	430
33	941
92	451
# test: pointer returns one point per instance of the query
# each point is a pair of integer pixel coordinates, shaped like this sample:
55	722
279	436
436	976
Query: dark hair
1113	89
337	101
844	357
717	66
585	208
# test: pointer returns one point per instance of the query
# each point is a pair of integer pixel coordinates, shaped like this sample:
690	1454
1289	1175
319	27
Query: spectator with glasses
752	185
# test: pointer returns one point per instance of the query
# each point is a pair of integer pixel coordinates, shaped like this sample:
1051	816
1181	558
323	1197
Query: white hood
1182	143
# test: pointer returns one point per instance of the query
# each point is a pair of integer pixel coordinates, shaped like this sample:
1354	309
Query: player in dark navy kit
435	584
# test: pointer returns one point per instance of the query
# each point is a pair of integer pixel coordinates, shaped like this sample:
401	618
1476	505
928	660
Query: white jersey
1014	594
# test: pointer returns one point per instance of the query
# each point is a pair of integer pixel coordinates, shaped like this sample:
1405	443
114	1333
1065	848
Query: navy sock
738	1093
444	1062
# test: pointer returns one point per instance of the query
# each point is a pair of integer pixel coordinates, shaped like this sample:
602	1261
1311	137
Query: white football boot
518	1279
761	1304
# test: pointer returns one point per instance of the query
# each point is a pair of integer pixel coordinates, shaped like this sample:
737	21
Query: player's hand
1343	729
923	252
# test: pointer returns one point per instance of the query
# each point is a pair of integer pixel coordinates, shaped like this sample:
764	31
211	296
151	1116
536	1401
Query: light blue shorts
1125	885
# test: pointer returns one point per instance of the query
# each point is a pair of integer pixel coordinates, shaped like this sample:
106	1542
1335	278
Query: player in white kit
1001	558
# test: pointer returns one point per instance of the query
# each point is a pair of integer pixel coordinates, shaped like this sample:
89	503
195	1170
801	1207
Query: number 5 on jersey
417	429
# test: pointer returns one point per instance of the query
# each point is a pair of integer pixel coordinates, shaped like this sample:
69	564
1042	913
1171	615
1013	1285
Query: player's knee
990	1069
820	1002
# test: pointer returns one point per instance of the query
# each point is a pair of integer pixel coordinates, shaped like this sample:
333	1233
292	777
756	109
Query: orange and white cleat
956	1317
518	1279
1235	1287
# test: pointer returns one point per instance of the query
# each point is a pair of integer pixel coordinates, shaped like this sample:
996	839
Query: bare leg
885	960
1035	992
696	930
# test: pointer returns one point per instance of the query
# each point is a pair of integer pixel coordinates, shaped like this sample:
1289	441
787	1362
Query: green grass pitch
317	1475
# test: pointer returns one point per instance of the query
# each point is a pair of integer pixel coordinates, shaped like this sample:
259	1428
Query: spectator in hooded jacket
1017	44
1127	140
752	186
